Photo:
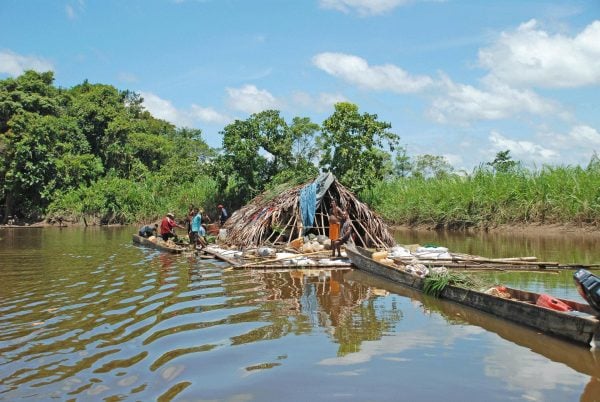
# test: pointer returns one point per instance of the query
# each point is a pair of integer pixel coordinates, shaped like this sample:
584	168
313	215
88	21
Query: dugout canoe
554	348
580	325
158	245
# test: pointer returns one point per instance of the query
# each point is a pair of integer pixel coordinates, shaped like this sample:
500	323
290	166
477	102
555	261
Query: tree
304	149
262	149
31	92
28	165
428	166
95	106
402	163
503	162
29	105
352	147
188	159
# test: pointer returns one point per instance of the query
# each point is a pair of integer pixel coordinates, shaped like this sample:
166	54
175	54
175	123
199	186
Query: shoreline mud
534	229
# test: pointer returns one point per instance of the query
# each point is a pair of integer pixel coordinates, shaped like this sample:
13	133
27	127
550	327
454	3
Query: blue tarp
311	195
308	205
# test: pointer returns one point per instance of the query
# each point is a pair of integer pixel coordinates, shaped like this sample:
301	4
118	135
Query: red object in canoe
552	303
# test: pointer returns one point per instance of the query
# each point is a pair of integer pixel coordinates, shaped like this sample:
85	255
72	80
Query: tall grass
117	200
484	198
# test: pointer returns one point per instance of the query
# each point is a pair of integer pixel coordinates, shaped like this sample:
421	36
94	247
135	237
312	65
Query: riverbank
533	229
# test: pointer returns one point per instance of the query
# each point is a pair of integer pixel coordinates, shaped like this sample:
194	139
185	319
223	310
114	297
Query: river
87	315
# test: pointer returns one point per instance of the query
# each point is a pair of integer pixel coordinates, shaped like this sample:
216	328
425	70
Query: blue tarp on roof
308	205
311	196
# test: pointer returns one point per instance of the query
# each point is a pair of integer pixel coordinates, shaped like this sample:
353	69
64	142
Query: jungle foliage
93	153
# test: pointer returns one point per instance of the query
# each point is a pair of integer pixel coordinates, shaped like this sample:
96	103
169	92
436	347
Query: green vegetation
435	283
93	154
562	194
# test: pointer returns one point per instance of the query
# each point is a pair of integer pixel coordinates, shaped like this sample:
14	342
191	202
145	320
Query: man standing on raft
334	221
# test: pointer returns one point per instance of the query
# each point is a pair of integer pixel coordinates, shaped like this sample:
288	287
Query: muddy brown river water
87	315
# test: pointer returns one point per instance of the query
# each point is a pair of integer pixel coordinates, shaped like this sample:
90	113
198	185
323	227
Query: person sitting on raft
147	230
167	227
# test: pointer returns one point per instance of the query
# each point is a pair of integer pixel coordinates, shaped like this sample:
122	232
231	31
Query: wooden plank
221	257
263	262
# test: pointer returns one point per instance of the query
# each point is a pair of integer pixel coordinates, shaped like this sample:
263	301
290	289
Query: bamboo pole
287	225
323	223
376	240
356	231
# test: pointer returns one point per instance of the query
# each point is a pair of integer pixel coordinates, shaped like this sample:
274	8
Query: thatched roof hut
284	214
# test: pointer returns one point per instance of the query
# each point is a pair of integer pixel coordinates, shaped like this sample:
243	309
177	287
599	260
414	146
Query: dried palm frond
269	216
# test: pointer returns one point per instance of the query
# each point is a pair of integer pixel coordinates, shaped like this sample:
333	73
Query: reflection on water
567	248
85	315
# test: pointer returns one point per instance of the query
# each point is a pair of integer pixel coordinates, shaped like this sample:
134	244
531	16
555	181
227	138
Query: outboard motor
588	286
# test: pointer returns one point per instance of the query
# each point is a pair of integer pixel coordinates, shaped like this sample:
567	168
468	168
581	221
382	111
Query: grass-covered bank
551	195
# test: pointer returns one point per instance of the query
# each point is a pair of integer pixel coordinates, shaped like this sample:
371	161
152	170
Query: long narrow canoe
559	350
581	325
159	244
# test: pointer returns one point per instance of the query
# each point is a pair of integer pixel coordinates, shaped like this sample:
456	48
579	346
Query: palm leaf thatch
275	217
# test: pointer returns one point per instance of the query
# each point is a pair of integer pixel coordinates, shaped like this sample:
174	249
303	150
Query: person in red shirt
167	227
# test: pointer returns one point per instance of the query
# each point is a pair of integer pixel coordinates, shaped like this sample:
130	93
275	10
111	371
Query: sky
463	79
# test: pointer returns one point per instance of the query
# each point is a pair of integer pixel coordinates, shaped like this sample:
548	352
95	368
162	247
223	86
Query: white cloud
584	135
522	150
464	103
363	7
14	64
164	109
577	146
327	100
356	70
319	103
530	56
250	99
209	115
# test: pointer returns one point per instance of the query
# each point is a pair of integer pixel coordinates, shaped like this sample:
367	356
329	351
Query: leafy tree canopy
428	166
503	162
352	146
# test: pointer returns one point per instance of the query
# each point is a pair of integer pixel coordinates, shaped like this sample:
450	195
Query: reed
561	194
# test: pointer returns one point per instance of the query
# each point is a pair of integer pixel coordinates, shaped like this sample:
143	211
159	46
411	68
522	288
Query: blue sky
462	79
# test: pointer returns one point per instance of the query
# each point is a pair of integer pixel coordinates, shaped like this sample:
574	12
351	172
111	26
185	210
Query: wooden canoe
581	325
554	348
158	245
